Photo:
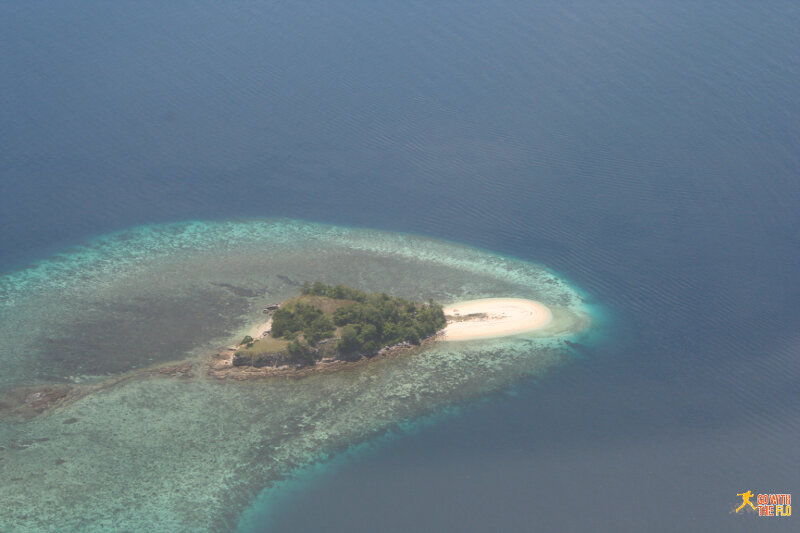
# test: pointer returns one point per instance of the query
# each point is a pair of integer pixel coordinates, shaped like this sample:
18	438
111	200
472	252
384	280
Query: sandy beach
494	317
258	331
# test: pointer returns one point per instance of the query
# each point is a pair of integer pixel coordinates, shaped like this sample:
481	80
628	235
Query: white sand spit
494	317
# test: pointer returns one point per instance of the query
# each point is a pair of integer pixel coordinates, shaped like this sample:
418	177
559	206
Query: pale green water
170	454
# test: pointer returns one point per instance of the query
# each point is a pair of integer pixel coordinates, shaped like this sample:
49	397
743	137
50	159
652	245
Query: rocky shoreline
26	402
221	365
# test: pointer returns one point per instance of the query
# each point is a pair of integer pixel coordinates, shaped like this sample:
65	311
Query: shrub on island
343	322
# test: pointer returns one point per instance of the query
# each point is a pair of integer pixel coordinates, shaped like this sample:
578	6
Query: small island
330	327
328	324
324	329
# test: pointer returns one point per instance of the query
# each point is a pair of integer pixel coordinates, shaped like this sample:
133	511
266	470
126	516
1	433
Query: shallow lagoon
155	452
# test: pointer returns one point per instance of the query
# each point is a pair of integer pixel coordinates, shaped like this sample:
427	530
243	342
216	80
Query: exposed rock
28	402
179	370
241	359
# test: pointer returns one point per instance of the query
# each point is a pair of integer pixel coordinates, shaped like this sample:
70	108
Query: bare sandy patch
494	317
258	331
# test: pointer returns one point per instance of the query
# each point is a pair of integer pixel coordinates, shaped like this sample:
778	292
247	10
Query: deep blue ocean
648	151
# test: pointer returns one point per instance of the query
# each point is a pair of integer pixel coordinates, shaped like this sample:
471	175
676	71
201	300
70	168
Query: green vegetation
339	321
267	344
375	320
263	352
301	318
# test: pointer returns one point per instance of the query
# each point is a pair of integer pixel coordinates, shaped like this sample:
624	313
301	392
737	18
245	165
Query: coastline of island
463	321
479	319
328	327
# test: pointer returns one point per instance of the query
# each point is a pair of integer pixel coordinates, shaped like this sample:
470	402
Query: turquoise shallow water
190	454
648	151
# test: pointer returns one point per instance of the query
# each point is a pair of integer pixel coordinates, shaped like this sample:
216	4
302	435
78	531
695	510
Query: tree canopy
370	322
327	321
